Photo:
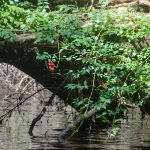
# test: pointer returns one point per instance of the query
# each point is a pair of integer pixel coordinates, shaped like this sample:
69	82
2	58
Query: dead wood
20	38
20	103
68	130
25	37
41	114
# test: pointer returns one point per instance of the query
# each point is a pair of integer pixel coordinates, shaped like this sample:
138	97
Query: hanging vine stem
59	51
94	75
86	114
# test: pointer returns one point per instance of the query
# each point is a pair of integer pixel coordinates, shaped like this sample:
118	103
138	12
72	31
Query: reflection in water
134	134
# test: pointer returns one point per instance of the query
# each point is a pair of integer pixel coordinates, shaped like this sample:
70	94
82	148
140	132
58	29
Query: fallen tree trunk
29	37
20	38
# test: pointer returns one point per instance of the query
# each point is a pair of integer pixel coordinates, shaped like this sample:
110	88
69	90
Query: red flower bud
51	66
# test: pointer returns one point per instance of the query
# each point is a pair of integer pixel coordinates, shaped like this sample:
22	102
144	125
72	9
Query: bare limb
77	123
36	119
11	110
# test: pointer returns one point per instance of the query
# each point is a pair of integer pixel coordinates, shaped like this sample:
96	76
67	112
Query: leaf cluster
109	65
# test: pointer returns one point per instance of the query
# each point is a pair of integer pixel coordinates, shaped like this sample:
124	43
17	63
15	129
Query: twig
19	85
8	112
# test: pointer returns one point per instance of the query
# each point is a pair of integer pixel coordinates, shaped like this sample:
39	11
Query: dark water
134	134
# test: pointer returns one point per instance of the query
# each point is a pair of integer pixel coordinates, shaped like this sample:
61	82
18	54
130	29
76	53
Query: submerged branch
36	119
76	124
22	38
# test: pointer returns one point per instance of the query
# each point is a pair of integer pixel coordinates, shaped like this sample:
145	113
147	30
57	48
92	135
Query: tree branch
36	119
76	124
11	110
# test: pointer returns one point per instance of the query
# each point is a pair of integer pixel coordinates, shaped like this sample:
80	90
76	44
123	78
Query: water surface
134	134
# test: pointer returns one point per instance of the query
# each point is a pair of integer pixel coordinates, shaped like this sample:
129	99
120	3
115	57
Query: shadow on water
134	134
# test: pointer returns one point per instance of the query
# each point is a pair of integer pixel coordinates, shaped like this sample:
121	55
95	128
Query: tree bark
68	130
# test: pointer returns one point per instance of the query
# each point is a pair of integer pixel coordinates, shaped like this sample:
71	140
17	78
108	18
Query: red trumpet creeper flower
51	66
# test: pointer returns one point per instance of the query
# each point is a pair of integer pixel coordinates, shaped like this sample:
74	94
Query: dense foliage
100	46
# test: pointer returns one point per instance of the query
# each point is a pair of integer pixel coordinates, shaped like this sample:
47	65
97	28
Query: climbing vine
108	63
